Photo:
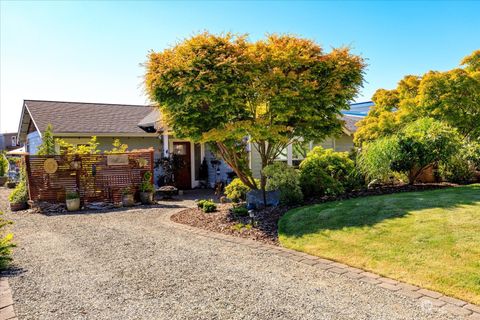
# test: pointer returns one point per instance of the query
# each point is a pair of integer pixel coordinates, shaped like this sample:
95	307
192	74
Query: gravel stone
136	264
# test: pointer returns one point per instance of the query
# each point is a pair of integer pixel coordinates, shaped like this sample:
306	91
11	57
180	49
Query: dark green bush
424	143
462	165
240	211
326	172
284	178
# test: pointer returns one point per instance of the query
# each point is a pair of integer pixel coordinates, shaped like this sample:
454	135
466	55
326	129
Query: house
8	141
139	127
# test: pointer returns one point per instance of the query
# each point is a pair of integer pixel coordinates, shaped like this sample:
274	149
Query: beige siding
255	162
344	143
105	143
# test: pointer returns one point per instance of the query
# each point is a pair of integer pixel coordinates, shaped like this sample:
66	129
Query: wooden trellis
96	177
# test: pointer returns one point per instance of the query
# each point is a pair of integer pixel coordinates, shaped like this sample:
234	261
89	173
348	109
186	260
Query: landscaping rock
255	198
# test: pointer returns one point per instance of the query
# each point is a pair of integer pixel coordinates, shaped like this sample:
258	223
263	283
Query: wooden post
28	171
151	167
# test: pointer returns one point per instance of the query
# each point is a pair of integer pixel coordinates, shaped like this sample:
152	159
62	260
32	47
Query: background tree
47	147
225	90
452	97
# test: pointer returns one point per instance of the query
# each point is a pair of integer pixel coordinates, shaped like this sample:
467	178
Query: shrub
284	178
200	203
20	193
209	206
3	165
6	244
462	165
236	190
375	158
146	185
326	172
422	144
72	195
240	211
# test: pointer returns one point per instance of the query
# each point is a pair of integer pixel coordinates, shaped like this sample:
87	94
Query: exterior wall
33	142
6	141
342	143
255	162
216	173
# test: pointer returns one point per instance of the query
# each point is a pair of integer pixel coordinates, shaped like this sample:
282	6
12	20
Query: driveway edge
6	302
426	298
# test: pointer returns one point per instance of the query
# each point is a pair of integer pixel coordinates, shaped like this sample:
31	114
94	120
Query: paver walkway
137	264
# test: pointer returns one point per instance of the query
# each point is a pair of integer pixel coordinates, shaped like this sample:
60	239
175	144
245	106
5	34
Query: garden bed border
6	302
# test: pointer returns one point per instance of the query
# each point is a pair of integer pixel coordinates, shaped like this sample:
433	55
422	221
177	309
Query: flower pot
146	197
127	200
3	180
18	206
73	204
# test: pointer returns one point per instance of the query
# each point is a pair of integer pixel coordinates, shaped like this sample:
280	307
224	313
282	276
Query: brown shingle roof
350	122
81	117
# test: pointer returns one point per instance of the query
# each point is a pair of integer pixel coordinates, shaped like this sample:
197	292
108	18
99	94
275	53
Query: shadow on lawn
368	211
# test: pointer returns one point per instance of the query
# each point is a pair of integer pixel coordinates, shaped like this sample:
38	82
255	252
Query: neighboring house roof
80	118
350	123
359	109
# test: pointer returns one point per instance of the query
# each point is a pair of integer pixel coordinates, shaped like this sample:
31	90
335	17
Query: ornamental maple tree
452	97
234	93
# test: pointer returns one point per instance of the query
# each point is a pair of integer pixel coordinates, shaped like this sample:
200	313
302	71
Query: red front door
183	172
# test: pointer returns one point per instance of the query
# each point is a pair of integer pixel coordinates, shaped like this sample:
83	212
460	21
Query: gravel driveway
136	265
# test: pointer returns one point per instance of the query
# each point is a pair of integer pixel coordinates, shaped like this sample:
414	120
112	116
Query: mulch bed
266	229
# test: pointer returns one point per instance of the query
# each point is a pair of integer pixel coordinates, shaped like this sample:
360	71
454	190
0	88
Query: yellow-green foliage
223	88
452	96
6	244
91	147
237	190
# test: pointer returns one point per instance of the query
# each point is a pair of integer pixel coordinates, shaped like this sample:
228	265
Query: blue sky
91	51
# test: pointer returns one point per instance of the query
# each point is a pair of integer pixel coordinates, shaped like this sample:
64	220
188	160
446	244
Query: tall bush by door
284	178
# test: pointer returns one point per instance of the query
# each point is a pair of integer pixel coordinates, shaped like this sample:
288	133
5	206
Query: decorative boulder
255	198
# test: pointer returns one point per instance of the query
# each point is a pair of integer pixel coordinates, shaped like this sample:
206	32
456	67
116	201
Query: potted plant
72	201
127	197
19	197
146	189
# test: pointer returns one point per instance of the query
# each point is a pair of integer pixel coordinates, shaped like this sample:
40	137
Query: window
180	149
14	141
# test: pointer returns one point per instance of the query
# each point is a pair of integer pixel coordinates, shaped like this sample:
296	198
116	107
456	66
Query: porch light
76	163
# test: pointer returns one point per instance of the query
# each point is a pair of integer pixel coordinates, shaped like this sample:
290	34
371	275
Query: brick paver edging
426	297
6	301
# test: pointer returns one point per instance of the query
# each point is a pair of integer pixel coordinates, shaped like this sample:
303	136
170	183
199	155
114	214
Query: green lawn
430	239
